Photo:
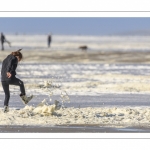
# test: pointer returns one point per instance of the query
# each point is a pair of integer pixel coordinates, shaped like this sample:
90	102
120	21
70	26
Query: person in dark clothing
49	39
3	39
8	73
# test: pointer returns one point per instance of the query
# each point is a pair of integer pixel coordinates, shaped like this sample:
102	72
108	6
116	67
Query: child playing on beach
8	73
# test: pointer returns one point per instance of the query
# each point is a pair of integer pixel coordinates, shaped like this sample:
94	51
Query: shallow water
82	101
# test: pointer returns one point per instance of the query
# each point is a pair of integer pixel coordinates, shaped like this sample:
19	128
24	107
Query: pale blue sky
75	26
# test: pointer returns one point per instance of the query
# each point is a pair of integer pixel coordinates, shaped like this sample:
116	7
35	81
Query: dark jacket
9	65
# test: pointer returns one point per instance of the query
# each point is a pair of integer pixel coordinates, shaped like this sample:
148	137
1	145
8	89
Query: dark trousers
49	44
2	43
5	85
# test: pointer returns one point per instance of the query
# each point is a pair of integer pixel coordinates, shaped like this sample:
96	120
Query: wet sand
73	129
78	56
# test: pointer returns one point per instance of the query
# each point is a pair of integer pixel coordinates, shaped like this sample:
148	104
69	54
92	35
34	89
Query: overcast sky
73	26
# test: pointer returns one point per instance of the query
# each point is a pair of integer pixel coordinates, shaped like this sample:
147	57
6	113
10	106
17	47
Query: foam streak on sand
48	115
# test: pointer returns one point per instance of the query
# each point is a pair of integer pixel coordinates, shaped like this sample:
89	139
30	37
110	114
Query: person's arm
10	67
14	65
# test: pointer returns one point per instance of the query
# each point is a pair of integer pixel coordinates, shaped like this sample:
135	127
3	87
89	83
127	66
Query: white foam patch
46	115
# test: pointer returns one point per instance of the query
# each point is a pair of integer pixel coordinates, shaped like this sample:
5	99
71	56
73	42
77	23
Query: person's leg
18	82
5	86
2	46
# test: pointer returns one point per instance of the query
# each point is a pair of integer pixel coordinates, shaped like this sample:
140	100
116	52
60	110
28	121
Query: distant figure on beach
49	39
3	40
83	48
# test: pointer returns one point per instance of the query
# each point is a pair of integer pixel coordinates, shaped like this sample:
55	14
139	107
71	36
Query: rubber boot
26	99
6	109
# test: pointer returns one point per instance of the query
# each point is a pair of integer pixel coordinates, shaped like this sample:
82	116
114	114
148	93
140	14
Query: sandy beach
86	57
99	91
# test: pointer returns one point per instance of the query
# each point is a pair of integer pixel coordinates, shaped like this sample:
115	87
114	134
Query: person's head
18	54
